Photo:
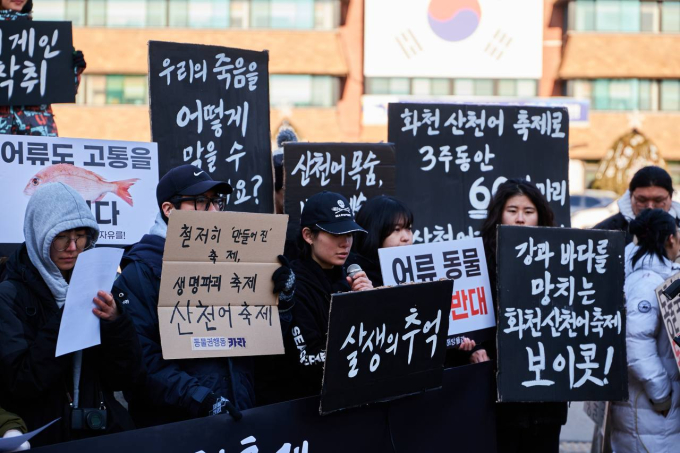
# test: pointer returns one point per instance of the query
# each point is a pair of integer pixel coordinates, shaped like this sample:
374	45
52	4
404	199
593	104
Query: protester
178	390
12	425
31	119
327	224
651	187
388	223
649	420
35	384
520	427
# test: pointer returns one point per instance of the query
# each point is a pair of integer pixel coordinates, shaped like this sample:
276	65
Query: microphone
352	270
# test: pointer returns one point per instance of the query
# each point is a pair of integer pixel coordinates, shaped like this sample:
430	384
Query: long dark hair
511	188
651	228
380	216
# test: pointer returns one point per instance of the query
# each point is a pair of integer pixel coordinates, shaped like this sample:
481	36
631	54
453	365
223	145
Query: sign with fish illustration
117	179
209	107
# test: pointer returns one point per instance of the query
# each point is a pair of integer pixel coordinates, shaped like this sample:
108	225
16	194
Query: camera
85	418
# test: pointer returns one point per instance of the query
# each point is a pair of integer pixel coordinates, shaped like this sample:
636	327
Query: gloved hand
16	433
217	404
284	284
79	59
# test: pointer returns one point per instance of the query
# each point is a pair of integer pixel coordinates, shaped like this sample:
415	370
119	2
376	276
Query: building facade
620	55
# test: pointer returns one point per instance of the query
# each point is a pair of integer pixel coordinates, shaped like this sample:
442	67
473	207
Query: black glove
284	282
216	404
79	59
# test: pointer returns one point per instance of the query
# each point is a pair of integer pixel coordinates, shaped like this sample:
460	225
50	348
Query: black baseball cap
188	180
330	212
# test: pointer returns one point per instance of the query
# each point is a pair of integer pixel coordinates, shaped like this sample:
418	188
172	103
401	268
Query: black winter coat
174	389
617	222
34	383
305	341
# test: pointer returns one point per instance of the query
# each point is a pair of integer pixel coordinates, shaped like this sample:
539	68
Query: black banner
562	318
359	171
451	158
385	343
459	417
36	63
210	108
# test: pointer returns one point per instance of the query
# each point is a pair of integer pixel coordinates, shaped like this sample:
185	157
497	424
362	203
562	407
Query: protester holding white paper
34	383
520	427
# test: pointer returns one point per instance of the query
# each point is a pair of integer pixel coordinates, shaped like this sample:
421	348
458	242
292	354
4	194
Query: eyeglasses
642	201
82	241
202	203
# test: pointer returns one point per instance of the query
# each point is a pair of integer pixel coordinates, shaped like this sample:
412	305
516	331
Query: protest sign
452	158
668	295
472	309
561	329
36	63
117	179
359	171
598	412
421	423
216	297
210	107
385	343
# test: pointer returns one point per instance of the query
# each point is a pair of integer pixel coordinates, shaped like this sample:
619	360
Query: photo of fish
90	185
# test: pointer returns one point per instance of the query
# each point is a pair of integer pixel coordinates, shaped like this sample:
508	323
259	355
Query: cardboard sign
210	108
668	295
359	171
472	309
216	297
117	179
561	329
36	63
421	423
384	344
451	159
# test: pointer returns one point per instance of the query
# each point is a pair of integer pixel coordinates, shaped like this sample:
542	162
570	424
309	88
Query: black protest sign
419	423
210	108
359	171
36	63
385	343
561	329
451	159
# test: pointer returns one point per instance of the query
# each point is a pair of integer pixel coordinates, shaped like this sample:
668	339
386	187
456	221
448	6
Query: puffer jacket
621	220
652	372
174	389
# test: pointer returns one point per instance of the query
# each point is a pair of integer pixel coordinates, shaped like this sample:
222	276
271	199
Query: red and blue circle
454	20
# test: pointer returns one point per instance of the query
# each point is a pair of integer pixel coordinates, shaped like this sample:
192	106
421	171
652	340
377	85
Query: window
649	17
628	94
507	87
113	89
670	17
464	87
670	95
303	90
213	14
584	12
446	87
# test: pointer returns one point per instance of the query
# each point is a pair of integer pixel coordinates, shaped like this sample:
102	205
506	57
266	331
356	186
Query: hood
665	268
149	250
52	209
626	207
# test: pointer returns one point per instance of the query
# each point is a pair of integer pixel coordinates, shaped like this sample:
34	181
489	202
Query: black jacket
368	265
305	341
174	389
35	384
617	222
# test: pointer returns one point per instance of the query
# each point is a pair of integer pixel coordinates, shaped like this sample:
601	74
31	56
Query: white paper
95	270
468	316
12	443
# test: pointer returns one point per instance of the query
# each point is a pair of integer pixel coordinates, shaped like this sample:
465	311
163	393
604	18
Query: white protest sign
117	179
95	270
463	261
